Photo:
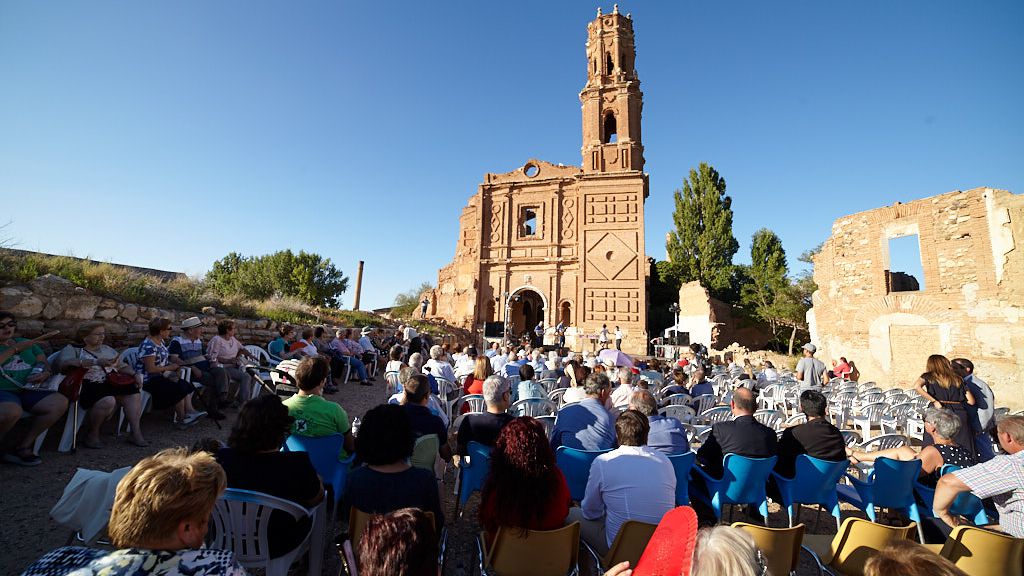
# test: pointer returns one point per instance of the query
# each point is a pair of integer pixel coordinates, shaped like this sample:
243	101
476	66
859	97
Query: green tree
306	276
702	245
407	301
766	279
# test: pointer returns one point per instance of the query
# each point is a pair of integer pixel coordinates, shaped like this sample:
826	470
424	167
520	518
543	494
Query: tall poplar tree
768	280
702	245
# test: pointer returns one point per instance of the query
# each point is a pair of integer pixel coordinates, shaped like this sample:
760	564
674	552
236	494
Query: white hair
725	550
494	390
416	361
436	352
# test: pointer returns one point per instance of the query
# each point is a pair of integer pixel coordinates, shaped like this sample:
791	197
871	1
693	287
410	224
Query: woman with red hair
525	490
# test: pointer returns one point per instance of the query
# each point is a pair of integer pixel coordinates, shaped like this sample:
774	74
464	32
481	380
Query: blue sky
167	134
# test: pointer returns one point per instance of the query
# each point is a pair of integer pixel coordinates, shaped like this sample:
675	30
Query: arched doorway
526	309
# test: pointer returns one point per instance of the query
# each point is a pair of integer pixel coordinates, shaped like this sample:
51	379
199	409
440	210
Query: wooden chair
780	546
629	545
538	553
856	541
981	552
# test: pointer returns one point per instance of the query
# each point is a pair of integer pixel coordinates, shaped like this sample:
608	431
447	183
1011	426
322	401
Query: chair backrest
424	453
851	437
984	553
533	407
323	452
965	503
473	470
549	424
129	356
684	414
682	464
816	478
703	403
745	477
556	395
262	356
780	546
795	419
549	384
475	402
716	414
240	519
884	442
873	411
676	399
770	418
629	543
536	553
394	384
575	466
894	482
859	539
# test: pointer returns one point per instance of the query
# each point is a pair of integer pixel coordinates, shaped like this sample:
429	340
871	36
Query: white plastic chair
533	407
684	414
870	415
717	414
770	418
239	523
884	442
129	356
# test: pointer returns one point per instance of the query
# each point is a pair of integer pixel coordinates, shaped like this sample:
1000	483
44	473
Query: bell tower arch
611	100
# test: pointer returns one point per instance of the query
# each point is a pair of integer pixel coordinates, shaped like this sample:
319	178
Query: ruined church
552	244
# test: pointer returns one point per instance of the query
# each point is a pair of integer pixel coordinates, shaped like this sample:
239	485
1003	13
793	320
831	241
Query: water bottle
355	425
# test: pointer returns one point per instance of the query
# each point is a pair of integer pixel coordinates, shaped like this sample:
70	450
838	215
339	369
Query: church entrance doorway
526	310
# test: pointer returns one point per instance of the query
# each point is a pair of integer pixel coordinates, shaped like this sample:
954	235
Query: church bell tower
612	101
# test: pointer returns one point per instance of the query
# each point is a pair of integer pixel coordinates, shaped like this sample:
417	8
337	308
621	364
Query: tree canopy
306	276
702	244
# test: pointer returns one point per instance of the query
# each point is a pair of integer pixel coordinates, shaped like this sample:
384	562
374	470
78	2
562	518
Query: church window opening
565	313
610	130
906	271
611	64
528	221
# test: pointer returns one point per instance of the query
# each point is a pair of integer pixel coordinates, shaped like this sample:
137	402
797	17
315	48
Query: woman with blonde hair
945	389
474	383
158	523
577	374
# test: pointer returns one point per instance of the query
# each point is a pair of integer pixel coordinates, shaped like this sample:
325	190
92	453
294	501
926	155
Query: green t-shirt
315	416
19	366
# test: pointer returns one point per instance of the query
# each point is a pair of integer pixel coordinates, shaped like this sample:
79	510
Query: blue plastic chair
814	483
682	464
966	503
575	466
889	485
323	452
473	473
743	481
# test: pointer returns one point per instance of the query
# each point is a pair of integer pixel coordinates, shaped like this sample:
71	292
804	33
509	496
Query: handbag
120	379
71	385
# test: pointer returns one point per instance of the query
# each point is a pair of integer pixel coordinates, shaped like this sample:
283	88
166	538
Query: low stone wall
53	303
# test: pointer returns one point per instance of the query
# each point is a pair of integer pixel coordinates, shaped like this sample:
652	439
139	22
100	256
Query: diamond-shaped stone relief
610	256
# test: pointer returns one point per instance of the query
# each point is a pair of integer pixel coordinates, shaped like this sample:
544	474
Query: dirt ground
28	494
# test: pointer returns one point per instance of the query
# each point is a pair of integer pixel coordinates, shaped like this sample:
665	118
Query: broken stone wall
971	303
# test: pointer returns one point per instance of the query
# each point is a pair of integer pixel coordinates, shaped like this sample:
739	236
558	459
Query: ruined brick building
557	243
970	301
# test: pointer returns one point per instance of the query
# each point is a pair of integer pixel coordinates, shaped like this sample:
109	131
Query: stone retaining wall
53	303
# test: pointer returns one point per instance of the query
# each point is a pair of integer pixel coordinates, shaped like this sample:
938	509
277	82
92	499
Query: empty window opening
611	64
595	65
906	271
610	130
528	217
565	313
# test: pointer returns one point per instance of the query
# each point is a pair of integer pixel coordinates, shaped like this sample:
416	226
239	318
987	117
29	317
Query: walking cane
74	437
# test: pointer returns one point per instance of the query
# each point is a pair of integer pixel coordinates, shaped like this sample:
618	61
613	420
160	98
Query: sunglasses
8	324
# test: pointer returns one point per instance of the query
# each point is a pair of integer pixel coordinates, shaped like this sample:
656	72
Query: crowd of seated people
525	490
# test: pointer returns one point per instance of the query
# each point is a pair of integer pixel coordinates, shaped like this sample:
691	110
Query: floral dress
79	561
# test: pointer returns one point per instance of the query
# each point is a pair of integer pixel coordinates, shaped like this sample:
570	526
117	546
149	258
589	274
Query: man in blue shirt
586	425
698	385
667	434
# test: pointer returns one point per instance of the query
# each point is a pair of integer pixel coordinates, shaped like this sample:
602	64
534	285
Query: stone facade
558	243
713	323
970	304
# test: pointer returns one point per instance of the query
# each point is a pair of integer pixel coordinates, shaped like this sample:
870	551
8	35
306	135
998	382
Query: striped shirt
1002	479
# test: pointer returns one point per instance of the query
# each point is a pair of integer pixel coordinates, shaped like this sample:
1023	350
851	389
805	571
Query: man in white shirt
499	360
632	482
492	350
438	366
622	393
466	362
618	338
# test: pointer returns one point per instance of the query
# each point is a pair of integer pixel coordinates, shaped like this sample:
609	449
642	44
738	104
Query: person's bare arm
970	396
930	458
947	489
903	453
919	386
149	364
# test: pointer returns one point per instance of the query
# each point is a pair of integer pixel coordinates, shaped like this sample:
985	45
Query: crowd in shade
526	416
